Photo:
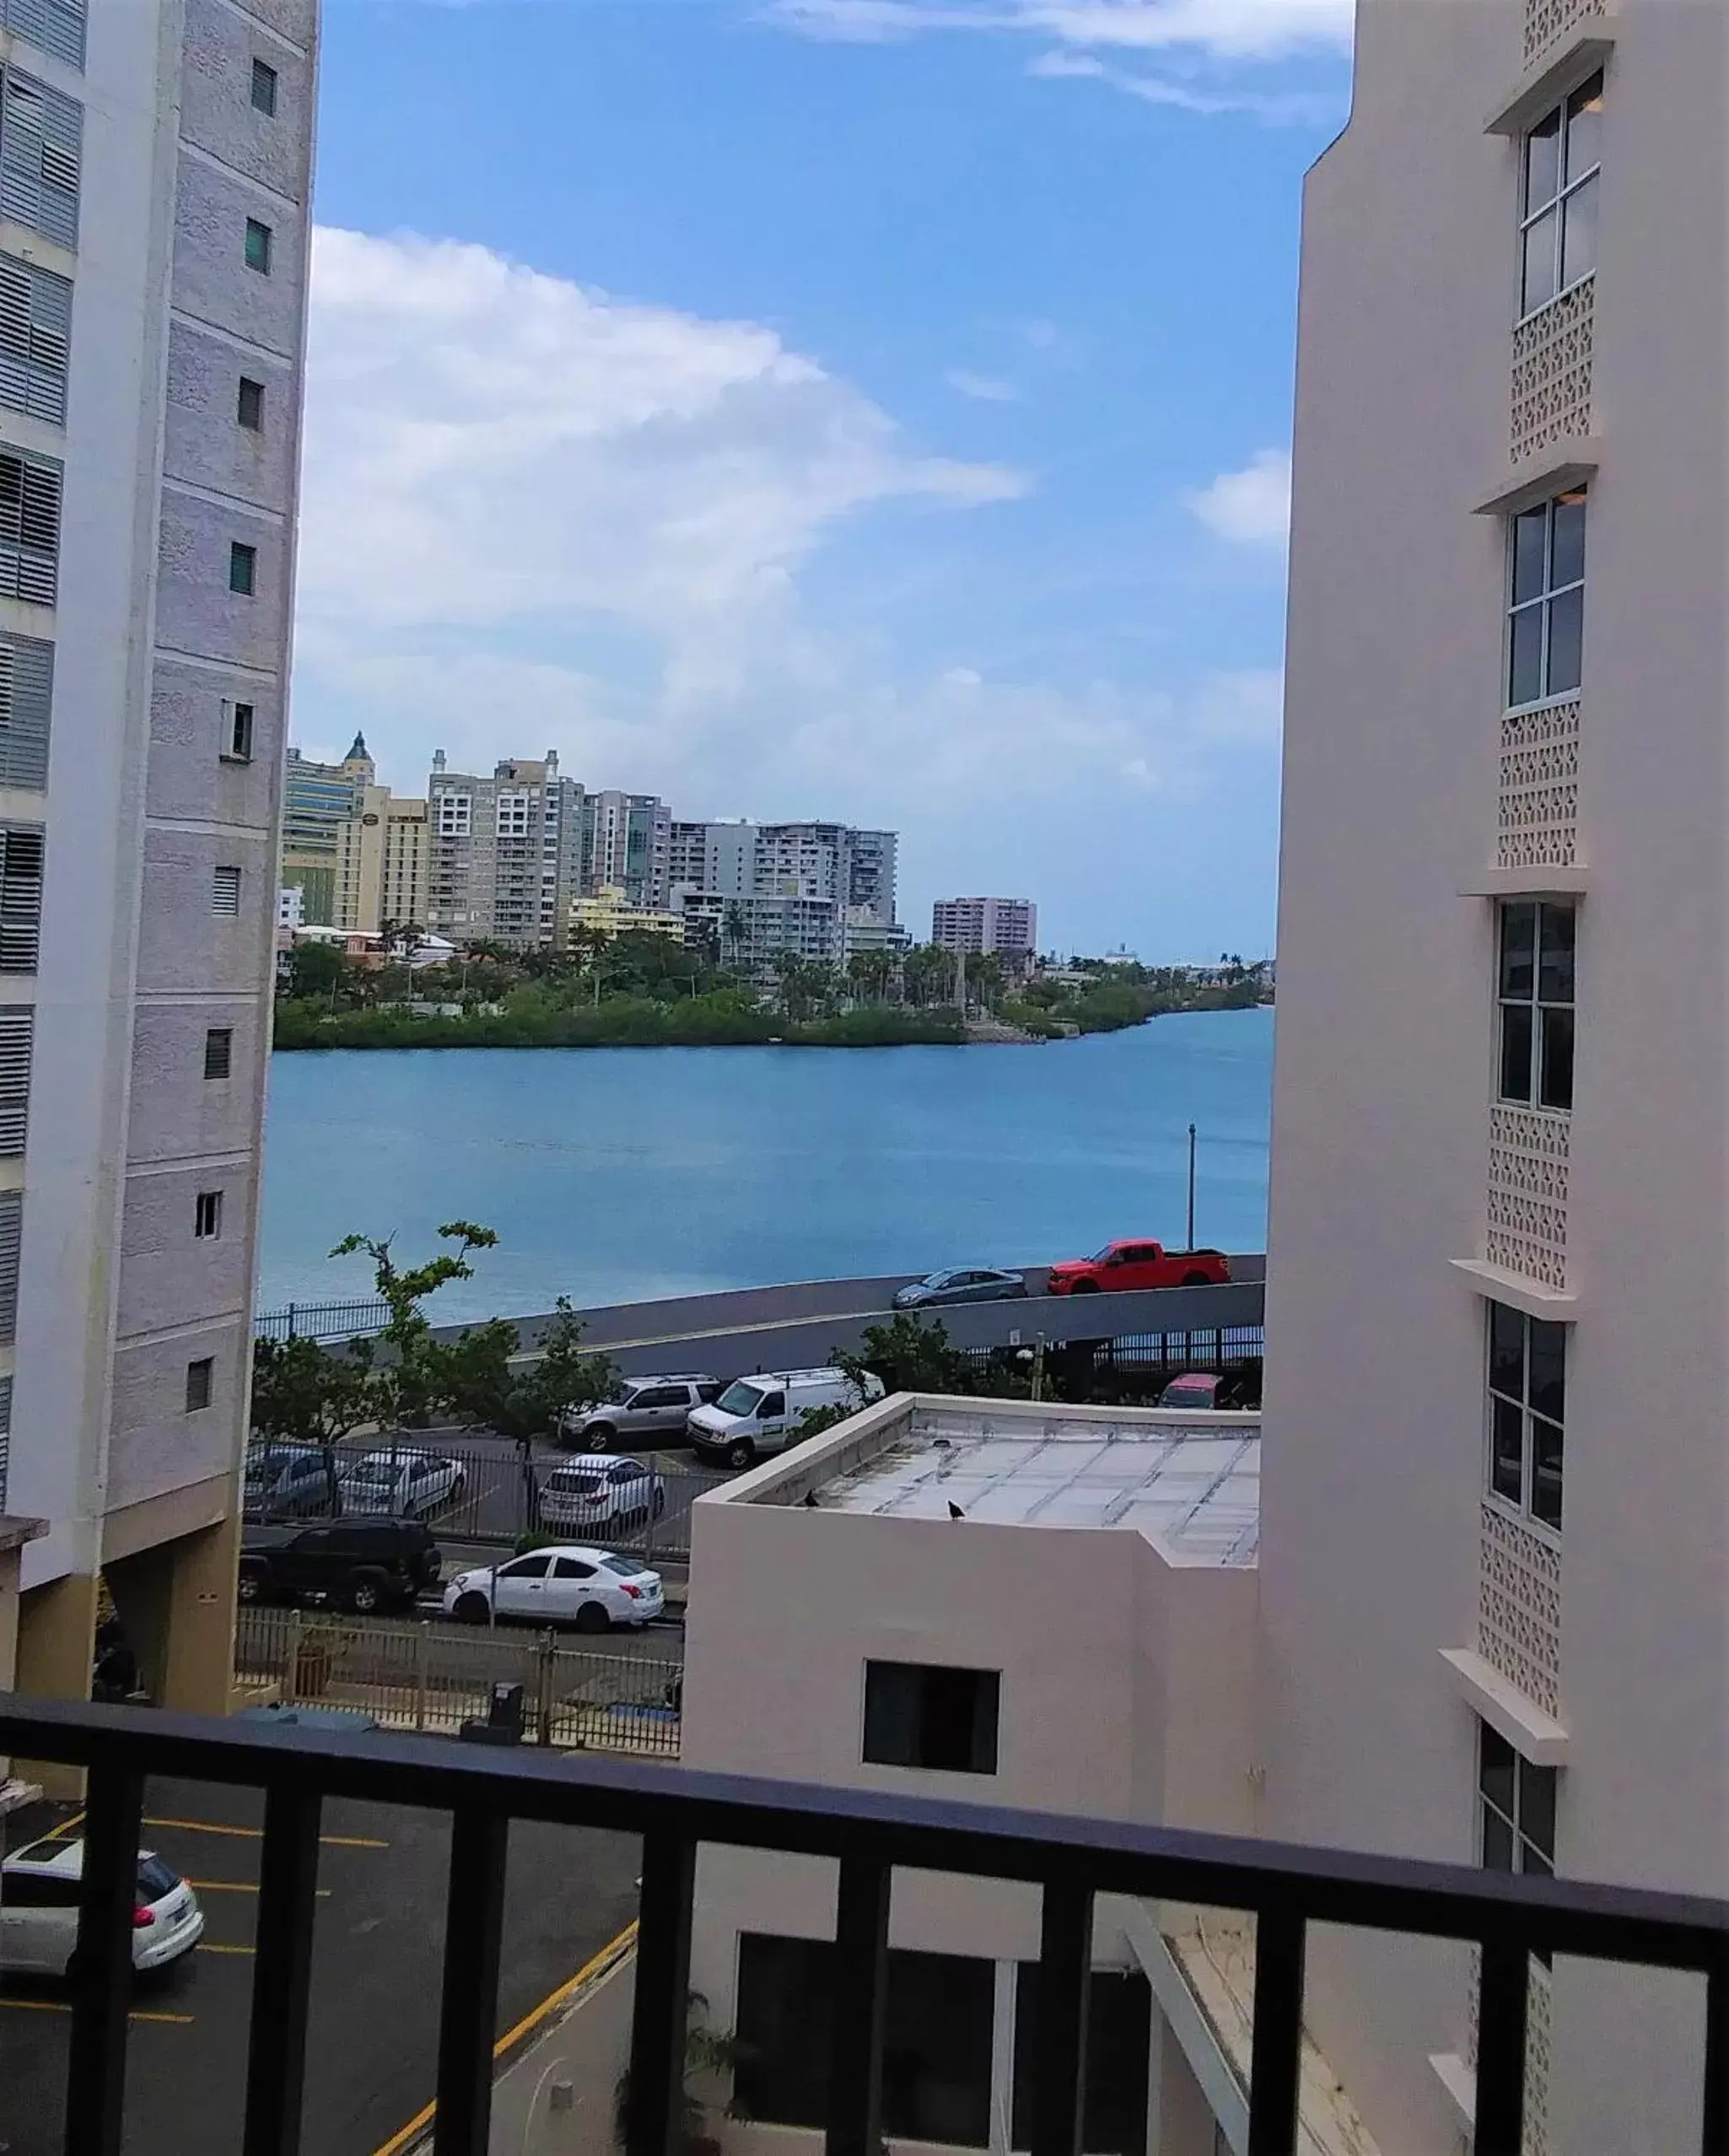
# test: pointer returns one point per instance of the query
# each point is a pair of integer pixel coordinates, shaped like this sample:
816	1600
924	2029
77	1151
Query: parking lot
372	2044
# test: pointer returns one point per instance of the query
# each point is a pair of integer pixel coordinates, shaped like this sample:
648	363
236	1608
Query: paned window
238	741
1536	998
218	1051
1528	1407
1515	1809
243	569
258	246
207	1215
200	1383
1546	604
1558	220
249	405
264	80
56	26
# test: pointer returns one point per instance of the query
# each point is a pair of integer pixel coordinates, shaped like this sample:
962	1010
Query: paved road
373	2046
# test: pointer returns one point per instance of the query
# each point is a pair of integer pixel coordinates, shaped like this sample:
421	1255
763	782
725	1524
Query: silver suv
646	1407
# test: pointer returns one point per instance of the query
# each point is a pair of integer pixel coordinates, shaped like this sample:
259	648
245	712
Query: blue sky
873	409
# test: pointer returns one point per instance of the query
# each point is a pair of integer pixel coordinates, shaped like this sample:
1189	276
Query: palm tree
734	928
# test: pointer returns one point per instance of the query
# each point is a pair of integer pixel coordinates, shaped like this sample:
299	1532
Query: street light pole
1191	1186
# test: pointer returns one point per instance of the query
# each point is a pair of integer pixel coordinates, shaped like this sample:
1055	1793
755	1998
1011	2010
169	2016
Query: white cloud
1277	109
1252	506
987	389
537	516
1226	30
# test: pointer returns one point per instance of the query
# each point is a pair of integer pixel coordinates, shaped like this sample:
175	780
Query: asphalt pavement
372	2051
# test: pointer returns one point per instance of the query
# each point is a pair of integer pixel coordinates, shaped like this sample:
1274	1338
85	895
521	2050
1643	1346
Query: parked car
38	1911
960	1284
646	1407
762	1414
602	1490
361	1564
1127	1265
1211	1390
592	1589
403	1481
289	1482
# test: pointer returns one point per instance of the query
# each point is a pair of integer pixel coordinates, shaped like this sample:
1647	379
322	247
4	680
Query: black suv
364	1566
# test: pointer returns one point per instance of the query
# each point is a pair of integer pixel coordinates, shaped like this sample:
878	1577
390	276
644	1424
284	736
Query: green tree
318	969
475	1380
735	930
306	1394
872	971
411	1378
928	972
910	1354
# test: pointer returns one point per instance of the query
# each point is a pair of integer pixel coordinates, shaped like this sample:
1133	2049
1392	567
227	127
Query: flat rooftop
1193	1484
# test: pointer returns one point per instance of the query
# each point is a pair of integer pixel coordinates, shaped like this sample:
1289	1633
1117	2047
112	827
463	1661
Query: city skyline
957	507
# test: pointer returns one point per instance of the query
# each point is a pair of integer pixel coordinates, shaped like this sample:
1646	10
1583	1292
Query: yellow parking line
64	2006
417	2125
209	1945
257	1834
237	1886
66	1826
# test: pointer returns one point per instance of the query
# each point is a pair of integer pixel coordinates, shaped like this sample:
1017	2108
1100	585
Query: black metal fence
492	1493
872	1835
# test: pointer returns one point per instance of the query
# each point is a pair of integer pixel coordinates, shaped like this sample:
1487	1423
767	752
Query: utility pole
1191	1186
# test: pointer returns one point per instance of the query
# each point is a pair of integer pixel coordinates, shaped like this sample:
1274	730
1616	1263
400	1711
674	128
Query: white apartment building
153	254
1081	1640
1494	1586
505	854
1006	926
816	891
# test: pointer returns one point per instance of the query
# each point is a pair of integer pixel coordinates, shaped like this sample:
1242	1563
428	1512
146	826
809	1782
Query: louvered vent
5	1434
20	896
36	328
30	527
11	1237
57	26
225	891
26	696
41	137
18	1026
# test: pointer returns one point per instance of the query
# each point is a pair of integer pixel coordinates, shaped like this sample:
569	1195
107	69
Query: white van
762	1414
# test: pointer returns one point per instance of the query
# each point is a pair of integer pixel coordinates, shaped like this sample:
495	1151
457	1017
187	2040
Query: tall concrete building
1006	926
818	891
318	799
383	863
1496	1593
626	846
154	261
505	854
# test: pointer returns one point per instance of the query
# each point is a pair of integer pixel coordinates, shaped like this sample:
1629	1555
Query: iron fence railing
872	1833
493	1493
432	1677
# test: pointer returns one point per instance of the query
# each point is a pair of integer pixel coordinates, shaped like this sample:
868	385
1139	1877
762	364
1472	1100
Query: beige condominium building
505	854
383	855
154	251
1495	1556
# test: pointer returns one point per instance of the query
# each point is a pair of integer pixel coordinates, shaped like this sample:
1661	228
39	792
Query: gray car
646	1407
960	1284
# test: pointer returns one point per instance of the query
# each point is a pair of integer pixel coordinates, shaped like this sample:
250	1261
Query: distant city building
318	799
505	854
1008	927
815	891
383	863
687	855
610	912
626	842
291	907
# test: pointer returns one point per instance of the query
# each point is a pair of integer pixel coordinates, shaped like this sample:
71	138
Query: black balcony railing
1073	1861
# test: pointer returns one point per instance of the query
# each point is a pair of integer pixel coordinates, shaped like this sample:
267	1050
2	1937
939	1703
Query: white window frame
1521	1507
1565	191
1543	601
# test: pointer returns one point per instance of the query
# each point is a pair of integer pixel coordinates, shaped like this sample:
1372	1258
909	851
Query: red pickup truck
1126	1265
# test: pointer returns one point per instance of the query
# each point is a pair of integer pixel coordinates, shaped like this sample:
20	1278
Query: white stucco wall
1384	1066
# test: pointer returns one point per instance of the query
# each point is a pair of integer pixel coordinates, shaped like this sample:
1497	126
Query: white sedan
404	1482
38	1911
593	1589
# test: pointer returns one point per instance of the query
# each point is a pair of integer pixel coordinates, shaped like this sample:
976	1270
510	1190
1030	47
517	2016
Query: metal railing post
654	1483
290	1677
420	1649
543	1688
